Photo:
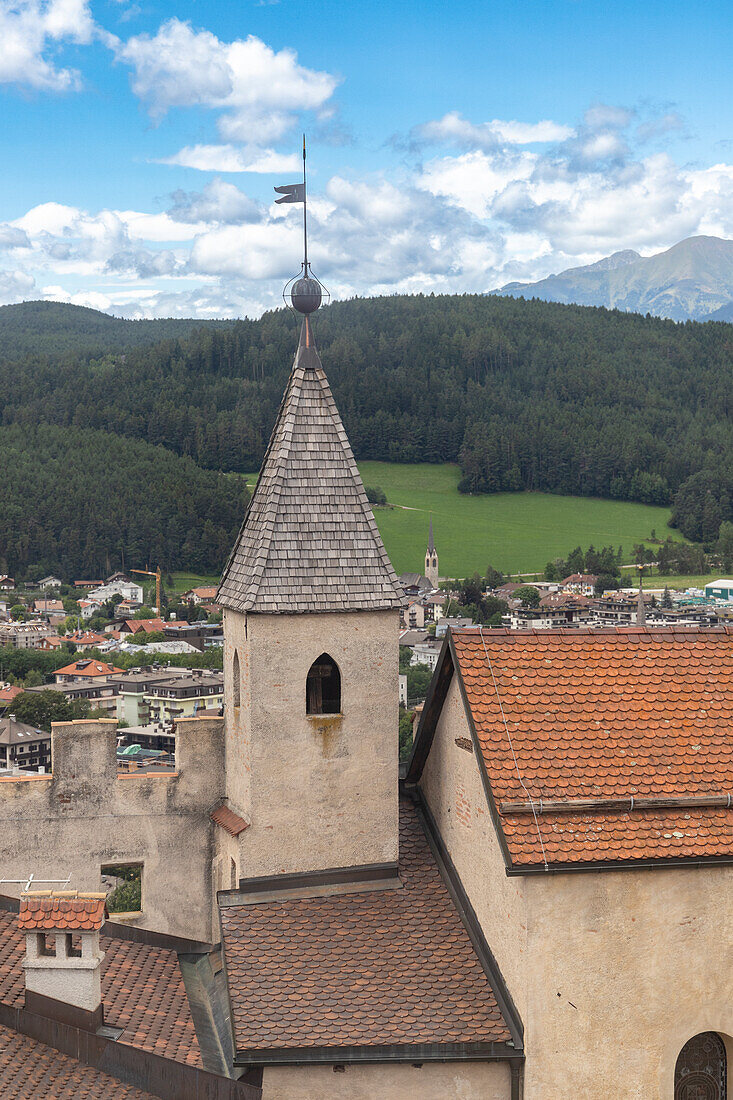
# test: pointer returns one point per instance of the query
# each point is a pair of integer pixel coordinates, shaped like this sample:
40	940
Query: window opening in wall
323	687
45	945
701	1072
236	680
125	884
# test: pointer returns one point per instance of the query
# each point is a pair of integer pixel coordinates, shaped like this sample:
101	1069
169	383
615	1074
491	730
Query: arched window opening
323	687
236	680
701	1072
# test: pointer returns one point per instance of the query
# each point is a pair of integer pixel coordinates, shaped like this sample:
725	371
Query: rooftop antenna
26	883
304	293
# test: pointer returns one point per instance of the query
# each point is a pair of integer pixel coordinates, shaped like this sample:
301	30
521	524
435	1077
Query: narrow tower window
701	1070
323	687
236	680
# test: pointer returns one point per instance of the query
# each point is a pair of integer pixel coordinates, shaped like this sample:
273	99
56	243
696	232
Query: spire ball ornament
304	293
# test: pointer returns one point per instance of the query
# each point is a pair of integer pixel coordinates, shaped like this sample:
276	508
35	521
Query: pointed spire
431	544
309	542
640	608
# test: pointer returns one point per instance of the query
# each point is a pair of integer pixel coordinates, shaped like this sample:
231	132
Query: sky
452	147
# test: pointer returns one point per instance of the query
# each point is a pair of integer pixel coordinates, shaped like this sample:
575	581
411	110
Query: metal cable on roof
511	746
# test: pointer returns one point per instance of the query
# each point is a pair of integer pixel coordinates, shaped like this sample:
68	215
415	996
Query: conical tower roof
309	542
431	544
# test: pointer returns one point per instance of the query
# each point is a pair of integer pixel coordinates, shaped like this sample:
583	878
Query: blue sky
452	147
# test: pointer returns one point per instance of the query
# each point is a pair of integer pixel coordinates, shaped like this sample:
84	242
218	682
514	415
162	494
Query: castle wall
625	967
320	791
85	815
431	1081
611	971
452	786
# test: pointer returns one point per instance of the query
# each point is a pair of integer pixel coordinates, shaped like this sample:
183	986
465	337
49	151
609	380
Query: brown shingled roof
44	912
602	714
142	991
382	967
309	541
30	1070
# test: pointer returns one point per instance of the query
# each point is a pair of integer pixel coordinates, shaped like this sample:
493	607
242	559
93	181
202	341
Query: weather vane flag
304	292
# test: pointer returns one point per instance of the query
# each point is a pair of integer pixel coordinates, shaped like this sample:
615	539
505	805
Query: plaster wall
85	815
626	966
453	789
320	791
431	1081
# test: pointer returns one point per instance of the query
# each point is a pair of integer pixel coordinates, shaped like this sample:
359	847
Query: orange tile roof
148	626
229	821
89	668
9	693
391	966
43	912
602	714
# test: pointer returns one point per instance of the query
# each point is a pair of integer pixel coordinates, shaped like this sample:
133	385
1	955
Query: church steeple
431	558
309	542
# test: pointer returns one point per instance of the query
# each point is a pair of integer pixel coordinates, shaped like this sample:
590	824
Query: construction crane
158	586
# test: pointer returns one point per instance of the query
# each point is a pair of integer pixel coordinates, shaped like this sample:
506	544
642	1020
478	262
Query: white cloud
218	202
259	91
230	158
29	28
454	129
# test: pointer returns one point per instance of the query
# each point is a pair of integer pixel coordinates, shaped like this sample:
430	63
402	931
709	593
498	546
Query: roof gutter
409	1053
619	865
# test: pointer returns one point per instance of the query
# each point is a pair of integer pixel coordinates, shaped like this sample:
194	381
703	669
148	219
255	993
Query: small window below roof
323	687
236	681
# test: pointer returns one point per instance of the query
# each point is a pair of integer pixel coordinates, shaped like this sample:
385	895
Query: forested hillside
53	329
79	501
526	395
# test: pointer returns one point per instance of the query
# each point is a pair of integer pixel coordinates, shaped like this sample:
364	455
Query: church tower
431	558
311	609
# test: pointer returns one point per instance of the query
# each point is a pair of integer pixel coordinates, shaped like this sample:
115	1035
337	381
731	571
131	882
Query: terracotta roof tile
43	913
142	991
380	967
30	1070
231	822
603	714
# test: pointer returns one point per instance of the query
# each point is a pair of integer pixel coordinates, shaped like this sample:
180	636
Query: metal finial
304	292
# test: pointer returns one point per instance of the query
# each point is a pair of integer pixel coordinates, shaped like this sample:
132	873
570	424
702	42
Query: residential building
201	635
546	618
444	624
133	689
28	635
88	607
50	582
86	669
23	746
426	653
415	585
88	639
8	692
402	688
87	584
52	642
48	607
7	584
412	617
184	696
101	695
142	626
129	590
582	584
202	594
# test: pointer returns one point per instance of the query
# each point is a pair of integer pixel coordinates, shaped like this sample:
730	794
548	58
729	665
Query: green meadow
514	532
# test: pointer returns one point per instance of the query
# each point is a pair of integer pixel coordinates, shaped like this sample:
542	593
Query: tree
667	600
528	596
724	545
41	708
18	612
606	583
375	495
493	578
405	732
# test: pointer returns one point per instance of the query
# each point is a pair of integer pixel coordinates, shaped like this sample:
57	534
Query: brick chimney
63	957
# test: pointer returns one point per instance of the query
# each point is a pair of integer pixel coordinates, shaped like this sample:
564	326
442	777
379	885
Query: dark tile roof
30	1070
142	991
611	713
309	541
390	966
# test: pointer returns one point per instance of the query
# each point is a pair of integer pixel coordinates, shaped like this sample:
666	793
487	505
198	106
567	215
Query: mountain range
693	280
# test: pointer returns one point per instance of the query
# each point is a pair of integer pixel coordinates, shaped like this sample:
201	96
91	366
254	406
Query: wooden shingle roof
309	542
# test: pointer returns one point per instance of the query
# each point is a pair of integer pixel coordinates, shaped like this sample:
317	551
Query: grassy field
651	580
514	532
182	582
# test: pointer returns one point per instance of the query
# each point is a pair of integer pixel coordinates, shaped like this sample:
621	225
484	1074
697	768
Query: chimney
63	957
